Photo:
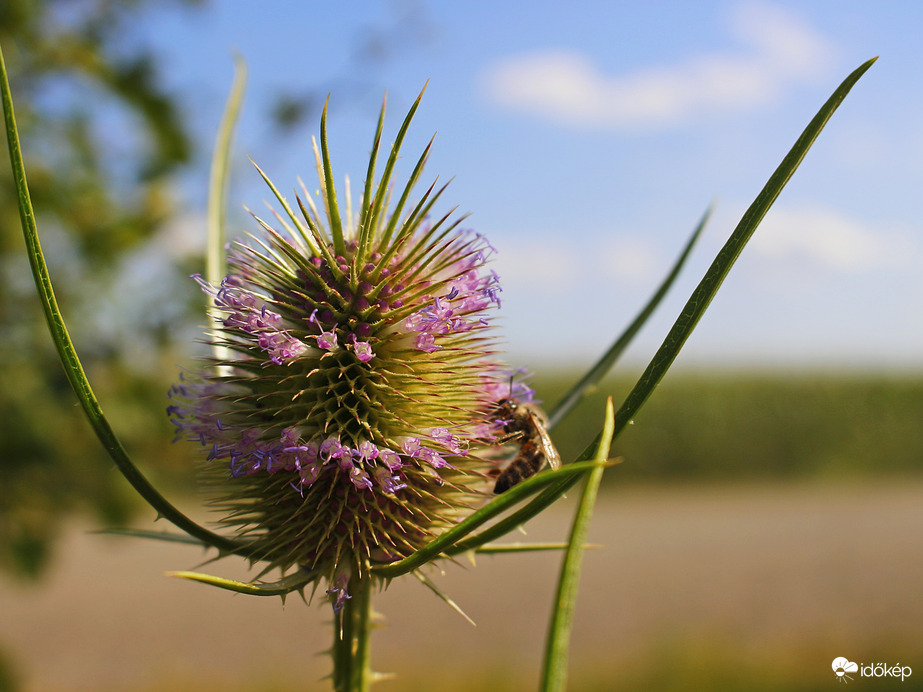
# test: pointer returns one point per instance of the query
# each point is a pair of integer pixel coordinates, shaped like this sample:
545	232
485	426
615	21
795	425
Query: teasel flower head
356	382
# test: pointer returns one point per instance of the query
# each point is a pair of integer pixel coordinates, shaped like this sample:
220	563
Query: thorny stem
351	641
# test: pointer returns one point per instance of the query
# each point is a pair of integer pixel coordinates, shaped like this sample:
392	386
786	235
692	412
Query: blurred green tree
75	82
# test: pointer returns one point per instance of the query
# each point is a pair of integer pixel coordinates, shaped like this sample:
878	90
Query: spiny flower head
357	379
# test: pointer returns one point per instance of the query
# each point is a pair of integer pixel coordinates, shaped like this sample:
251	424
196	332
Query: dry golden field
732	587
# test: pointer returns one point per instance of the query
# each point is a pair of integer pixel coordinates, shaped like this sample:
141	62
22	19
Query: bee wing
551	452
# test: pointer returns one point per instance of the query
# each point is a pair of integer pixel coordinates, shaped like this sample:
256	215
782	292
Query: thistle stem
351	650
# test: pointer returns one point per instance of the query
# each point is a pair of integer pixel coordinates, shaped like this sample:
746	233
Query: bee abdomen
525	465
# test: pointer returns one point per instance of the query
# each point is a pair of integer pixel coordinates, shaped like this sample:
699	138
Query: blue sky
586	140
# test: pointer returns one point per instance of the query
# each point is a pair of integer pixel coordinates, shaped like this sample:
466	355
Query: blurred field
760	527
696	587
726	425
698	426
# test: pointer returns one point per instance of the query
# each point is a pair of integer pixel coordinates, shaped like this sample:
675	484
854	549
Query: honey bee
525	422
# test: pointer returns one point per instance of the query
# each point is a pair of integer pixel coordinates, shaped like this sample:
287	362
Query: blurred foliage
9	679
75	82
102	139
718	426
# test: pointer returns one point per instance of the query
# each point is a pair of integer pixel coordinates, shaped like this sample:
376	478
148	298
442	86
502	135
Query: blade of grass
609	358
569	401
446	542
689	317
707	288
68	354
495	548
557	648
154	535
548	496
215	253
218	179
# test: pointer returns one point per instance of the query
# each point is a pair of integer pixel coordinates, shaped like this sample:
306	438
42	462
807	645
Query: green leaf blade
707	288
449	542
610	357
219	178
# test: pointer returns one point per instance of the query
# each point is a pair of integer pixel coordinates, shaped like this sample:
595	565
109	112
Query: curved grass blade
215	257
598	371
533	508
68	354
216	239
707	288
554	672
283	587
164	536
696	305
498	548
446	543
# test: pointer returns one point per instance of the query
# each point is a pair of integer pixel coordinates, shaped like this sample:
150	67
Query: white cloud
566	86
628	260
541	265
829	238
184	236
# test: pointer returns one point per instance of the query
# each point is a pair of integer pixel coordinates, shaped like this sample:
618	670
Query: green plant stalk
215	256
215	259
68	354
351	641
557	646
497	548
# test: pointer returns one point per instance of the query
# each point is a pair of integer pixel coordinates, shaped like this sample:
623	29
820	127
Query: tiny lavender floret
343	429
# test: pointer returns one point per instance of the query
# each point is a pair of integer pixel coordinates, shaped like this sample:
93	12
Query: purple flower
338	591
355	381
